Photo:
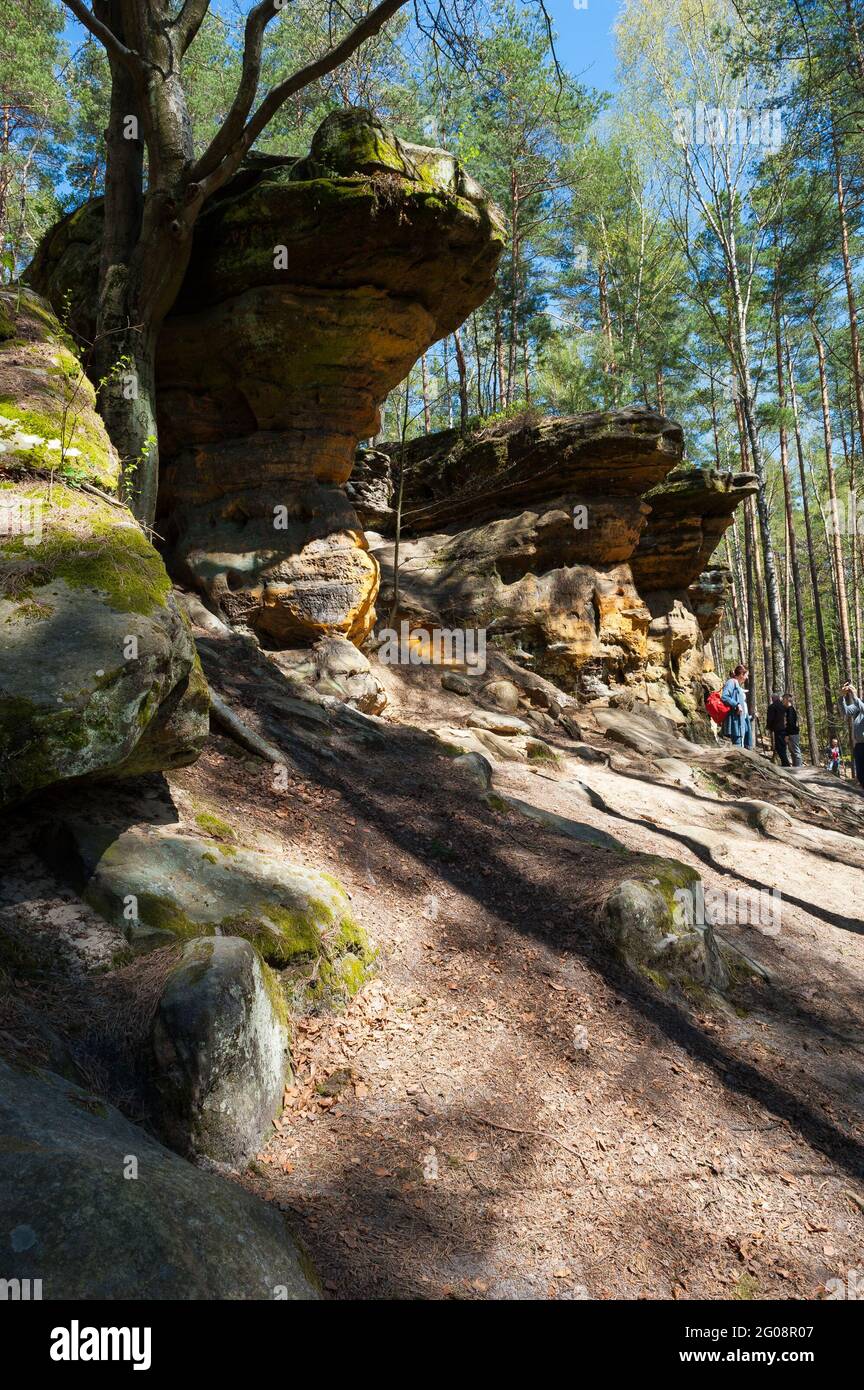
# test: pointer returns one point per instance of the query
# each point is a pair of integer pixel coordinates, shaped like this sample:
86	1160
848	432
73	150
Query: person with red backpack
729	709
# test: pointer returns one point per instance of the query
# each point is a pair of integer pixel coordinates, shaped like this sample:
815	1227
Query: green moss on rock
214	826
90	545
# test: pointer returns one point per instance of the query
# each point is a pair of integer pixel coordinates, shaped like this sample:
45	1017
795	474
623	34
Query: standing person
833	756
853	709
749	719
793	731
776	723
736	725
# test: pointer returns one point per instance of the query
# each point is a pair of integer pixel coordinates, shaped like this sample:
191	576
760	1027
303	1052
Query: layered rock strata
584	540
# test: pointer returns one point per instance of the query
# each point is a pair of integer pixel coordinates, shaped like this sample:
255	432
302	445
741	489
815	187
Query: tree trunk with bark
794	569
427	409
463	382
830	714
836	538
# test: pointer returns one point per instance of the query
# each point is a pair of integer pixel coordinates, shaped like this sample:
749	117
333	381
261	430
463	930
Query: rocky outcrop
314	286
583	541
333	669
95	1208
689	513
98	671
601	460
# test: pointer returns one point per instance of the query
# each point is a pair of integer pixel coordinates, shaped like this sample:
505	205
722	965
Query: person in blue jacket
737	726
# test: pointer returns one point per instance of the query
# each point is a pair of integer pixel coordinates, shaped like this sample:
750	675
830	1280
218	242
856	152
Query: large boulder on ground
219	1042
159	883
313	287
654	923
95	1208
98	671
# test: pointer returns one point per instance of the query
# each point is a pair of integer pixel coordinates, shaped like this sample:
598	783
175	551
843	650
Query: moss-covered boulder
313	287
160	883
98	670
656	925
219	1052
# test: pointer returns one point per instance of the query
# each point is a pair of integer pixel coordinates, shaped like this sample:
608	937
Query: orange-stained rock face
314	286
581	540
313	289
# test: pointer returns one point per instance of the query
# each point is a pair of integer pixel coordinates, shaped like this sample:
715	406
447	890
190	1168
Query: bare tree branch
231	129
213	176
106	36
188	22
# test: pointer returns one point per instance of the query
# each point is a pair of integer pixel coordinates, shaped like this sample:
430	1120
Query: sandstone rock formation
583	540
98	671
333	669
314	286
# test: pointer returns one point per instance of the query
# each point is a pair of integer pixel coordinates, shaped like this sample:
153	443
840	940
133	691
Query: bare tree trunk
830	713
737	624
447	384
836	545
793	566
732	559
787	592
747	402
515	254
499	359
427	410
749	584
764	631
854	336
463	382
751	608
605	318
855	566
480	410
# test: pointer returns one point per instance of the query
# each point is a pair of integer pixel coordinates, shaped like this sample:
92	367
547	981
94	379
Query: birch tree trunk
463	382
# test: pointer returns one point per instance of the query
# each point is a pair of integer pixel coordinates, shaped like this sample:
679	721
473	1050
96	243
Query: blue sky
585	44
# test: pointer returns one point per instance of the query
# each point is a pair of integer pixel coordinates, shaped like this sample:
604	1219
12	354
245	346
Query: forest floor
507	1113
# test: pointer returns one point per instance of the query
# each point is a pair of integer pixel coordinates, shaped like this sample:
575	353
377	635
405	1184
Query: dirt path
505	1112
